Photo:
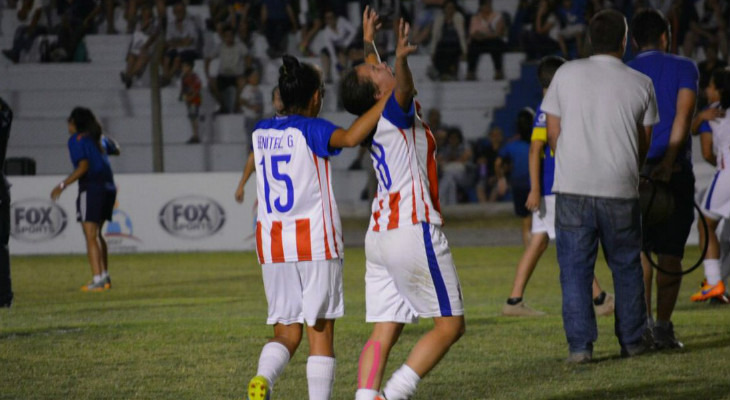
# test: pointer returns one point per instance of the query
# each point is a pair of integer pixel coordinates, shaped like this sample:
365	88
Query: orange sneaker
709	291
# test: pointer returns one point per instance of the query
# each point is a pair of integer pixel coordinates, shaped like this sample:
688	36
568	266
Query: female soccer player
714	128
410	272
97	193
298	230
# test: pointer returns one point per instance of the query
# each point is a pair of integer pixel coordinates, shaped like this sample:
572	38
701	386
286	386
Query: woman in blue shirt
97	193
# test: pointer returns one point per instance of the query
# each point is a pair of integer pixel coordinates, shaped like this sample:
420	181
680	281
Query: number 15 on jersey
274	165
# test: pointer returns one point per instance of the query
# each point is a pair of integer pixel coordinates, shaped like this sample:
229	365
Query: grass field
190	326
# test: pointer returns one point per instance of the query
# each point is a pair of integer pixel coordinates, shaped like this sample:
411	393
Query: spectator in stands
425	15
312	21
190	93
234	58
277	20
89	149
573	27
76	23
140	48
338	36
712	27
252	99
485	155
486	35
456	169
27	32
181	41
514	157
543	39
448	42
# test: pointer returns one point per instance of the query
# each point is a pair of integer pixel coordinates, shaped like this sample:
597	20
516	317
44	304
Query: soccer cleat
258	388
709	291
721	300
108	282
520	310
606	308
95	287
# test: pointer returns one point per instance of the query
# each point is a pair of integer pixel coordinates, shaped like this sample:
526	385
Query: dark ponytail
86	123
298	82
721	77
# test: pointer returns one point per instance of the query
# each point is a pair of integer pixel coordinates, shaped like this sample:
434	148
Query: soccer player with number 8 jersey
298	230
410	272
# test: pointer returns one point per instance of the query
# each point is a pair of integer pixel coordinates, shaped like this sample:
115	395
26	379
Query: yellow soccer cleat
258	389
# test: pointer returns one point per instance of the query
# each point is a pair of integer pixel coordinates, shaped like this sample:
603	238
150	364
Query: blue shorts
95	204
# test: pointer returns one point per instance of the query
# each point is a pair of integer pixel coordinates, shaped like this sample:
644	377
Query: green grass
190	326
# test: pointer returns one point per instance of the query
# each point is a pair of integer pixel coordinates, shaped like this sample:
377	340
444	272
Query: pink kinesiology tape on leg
373	368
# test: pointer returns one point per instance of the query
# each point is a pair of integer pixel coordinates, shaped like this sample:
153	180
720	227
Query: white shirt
600	102
403	152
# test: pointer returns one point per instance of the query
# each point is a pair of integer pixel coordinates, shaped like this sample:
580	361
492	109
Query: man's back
600	102
670	74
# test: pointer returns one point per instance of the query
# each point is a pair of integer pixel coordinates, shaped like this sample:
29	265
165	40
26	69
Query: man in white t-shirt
599	118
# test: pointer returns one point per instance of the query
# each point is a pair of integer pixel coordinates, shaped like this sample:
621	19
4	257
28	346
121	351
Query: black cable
647	251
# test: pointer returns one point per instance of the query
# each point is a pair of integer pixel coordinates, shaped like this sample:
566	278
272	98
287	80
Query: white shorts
716	202
303	291
543	220
410	274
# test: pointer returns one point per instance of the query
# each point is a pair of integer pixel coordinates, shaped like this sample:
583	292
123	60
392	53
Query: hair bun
291	65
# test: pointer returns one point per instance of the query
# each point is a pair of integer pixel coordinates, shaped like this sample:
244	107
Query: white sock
97	278
274	357
650	322
320	377
104	275
712	271
365	394
402	384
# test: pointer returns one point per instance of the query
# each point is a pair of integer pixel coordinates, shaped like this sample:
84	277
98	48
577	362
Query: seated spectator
338	36
234	58
514	157
454	159
542	40
573	27
252	99
712	27
448	42
277	20
140	48
181	41
77	21
27	32
485	155
486	35
425	15
312	21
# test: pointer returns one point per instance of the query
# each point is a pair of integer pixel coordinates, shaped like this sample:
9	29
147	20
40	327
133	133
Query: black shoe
6	303
664	338
11	55
646	344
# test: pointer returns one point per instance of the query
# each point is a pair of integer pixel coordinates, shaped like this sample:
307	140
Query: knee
452	330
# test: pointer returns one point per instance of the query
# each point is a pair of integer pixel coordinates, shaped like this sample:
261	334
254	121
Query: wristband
62	185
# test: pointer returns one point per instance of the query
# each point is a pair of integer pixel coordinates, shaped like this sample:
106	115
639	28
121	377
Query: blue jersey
669	73
539	132
82	147
517	153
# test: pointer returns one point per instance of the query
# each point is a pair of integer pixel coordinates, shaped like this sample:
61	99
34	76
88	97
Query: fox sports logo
192	217
36	220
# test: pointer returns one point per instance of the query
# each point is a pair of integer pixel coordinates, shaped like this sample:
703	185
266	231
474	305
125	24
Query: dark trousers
6	291
495	48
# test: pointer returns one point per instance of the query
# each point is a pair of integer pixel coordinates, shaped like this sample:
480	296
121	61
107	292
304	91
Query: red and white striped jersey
297	217
403	152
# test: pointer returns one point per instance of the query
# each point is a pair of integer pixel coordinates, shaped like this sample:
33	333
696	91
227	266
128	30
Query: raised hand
370	24
404	47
